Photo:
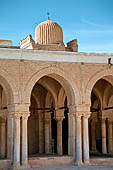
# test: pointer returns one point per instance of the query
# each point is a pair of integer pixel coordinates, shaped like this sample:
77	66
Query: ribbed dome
48	32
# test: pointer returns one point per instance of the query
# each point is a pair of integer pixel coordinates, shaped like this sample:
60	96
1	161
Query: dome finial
48	15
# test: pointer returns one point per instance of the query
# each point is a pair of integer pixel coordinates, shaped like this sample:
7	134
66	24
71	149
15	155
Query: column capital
103	120
17	115
47	115
59	119
78	115
47	120
72	109
10	115
86	115
25	115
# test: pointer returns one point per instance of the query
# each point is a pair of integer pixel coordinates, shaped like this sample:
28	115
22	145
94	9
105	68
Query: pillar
71	139
16	139
78	138
86	138
50	136
47	137
103	129
24	139
41	132
93	136
3	138
59	135
10	136
110	138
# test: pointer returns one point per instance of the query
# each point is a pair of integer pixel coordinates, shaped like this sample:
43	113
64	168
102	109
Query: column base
94	151
86	162
78	163
19	167
15	166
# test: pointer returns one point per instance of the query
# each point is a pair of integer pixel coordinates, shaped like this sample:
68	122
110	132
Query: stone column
10	136
86	138
50	136
59	135
71	139
17	139
110	138
103	129
25	139
41	132
47	133
93	136
78	138
3	138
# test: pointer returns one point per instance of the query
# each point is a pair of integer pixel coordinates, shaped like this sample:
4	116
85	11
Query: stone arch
110	102
96	91
106	96
50	89
99	75
65	80
61	97
7	88
48	99
37	101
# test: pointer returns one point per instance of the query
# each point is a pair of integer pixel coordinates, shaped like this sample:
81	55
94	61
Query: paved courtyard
76	168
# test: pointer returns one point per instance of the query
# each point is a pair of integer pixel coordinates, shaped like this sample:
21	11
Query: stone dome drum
48	32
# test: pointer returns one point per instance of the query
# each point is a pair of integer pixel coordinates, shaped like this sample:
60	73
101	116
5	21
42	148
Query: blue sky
90	21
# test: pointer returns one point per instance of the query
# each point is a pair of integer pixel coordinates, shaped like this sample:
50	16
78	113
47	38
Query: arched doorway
101	119
48	121
3	124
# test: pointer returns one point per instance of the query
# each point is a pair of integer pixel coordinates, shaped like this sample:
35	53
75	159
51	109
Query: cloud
87	22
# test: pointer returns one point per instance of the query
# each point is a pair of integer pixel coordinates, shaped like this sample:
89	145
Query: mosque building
56	104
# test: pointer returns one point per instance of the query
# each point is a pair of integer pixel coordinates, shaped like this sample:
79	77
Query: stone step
5	164
101	161
50	161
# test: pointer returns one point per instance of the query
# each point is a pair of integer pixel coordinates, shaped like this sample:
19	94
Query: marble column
24	139
3	138
47	137
110	138
71	139
10	121
103	131
59	135
86	138
16	139
93	136
78	138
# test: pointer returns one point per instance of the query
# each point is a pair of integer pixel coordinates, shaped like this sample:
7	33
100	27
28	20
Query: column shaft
110	138
71	141
41	132
17	140
78	139
59	136
103	128
47	133
10	136
3	139
93	136
86	138
24	140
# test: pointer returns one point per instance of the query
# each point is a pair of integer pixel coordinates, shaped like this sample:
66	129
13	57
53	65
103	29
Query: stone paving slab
75	168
